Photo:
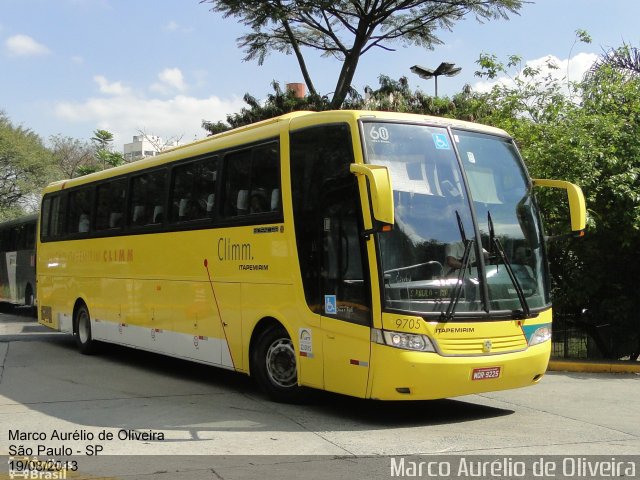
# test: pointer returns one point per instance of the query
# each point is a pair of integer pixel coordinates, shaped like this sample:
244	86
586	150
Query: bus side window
265	179
147	194
57	225
45	218
30	236
193	190
111	198
237	183
252	184
80	202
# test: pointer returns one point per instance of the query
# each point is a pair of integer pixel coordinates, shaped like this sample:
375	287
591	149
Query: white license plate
485	373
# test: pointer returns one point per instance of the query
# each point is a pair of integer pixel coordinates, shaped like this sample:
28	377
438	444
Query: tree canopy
72	156
25	167
347	29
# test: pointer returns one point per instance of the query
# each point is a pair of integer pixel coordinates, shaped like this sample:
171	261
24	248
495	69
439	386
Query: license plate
485	373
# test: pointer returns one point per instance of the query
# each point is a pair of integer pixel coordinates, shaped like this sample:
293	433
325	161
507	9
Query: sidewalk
593	366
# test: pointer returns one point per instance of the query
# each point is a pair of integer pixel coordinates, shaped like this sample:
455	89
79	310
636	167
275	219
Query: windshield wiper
495	242
466	258
457	291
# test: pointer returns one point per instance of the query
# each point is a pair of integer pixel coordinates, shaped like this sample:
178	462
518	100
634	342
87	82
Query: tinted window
265	180
252	181
111	202
30	236
58	216
45	217
7	240
193	192
80	202
237	183
327	215
147	199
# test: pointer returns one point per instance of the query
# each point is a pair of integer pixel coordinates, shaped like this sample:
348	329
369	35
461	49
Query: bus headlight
405	341
540	335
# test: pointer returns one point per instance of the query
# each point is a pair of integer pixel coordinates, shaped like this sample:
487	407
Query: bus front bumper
406	375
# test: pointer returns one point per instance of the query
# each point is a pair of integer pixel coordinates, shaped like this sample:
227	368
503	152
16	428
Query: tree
25	167
72	156
103	153
102	139
277	103
624	59
391	94
347	29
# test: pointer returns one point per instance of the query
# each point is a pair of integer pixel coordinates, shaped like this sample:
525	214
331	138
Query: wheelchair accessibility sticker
441	141
330	305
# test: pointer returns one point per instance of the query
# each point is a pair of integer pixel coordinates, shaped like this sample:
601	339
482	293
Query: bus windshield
483	219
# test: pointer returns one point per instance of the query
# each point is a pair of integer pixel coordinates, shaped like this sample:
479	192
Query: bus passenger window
45	217
147	193
237	183
57	227
193	190
110	204
80	202
252	184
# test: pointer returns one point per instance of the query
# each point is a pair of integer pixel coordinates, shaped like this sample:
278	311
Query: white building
145	146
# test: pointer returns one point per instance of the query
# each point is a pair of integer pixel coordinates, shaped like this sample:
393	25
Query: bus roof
263	130
31	218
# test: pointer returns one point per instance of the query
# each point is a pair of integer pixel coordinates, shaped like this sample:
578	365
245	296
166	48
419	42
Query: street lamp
445	68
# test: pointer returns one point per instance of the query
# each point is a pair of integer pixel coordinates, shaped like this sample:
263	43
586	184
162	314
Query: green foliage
104	156
72	157
589	137
277	103
347	29
25	167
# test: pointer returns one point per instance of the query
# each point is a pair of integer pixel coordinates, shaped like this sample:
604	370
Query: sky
160	67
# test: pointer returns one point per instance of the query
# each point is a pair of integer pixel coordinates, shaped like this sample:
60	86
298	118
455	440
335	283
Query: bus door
327	217
346	312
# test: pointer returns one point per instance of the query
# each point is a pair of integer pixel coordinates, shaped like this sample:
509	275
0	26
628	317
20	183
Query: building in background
146	146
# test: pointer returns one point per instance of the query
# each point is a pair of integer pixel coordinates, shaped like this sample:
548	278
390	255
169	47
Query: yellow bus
379	255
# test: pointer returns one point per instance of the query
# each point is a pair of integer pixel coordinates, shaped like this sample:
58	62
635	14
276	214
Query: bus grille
478	346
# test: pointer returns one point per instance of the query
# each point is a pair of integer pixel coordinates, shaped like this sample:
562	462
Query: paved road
127	402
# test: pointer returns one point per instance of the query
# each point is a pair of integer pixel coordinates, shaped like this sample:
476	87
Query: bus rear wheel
273	365
82	330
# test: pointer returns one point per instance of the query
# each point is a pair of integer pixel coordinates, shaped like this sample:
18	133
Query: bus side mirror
577	208
381	193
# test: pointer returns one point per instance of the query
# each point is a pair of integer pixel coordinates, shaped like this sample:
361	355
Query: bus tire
82	331
273	365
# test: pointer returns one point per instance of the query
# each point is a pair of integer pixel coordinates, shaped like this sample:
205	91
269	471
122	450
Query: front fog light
540	335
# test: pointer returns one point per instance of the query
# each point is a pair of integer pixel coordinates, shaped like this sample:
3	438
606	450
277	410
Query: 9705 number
409	323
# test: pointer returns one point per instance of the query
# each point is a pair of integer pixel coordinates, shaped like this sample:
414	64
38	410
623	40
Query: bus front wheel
85	342
273	365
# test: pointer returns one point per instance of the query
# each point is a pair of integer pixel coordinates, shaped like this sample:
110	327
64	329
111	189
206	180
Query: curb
593	367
